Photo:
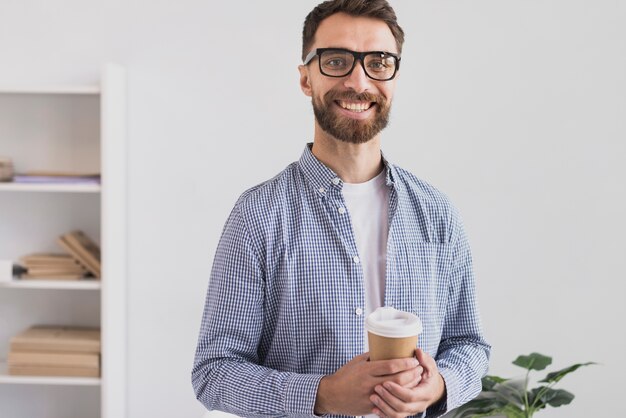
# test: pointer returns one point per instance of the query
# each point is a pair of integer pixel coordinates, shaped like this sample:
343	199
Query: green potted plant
512	398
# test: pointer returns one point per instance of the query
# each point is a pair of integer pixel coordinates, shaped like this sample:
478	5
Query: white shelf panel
65	188
45	380
53	284
84	89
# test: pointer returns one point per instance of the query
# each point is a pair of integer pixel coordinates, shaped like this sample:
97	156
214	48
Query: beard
346	129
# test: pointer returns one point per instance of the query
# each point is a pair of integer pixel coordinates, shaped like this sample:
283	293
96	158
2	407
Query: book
79	257
45	359
54	177
55	180
53	371
6	169
42	271
53	338
52	173
47	259
26	276
85	251
52	269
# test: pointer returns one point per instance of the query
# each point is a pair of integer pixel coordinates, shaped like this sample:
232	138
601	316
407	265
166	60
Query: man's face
353	108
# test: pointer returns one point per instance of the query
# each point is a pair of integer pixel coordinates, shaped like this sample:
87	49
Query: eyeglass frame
358	56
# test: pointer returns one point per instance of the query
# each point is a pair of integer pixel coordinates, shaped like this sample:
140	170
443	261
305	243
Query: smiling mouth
356	107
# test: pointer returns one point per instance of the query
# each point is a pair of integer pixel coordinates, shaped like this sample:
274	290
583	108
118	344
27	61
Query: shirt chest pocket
419	279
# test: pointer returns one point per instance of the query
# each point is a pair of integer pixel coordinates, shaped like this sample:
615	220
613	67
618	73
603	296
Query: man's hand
394	401
348	390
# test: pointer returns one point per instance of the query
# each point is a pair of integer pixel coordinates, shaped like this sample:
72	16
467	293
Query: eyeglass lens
338	63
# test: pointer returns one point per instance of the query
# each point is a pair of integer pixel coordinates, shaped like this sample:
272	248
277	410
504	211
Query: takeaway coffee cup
392	333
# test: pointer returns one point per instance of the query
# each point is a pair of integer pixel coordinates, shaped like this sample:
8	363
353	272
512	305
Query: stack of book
82	260
52	267
55	351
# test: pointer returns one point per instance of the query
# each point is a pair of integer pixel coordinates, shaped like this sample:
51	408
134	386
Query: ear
305	80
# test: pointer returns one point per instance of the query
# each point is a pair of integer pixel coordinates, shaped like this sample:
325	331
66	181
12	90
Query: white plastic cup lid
392	323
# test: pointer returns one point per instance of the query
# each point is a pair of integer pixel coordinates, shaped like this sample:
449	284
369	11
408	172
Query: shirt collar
324	179
391	171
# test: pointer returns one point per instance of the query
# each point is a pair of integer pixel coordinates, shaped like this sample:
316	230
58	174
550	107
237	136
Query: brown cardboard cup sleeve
392	333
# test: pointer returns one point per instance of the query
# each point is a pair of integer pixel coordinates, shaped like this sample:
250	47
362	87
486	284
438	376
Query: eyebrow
380	51
369	50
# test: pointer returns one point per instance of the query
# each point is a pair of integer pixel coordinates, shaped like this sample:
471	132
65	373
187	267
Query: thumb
363	357
427	362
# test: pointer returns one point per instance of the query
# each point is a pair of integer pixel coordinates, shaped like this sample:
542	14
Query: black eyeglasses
339	62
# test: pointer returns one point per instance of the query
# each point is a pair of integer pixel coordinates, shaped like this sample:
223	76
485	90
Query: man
305	256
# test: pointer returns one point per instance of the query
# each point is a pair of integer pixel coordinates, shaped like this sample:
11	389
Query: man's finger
361	357
427	362
392	400
408	378
389	367
405	395
382	408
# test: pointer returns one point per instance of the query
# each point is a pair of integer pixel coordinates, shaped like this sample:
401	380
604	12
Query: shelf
85	89
53	284
45	380
59	187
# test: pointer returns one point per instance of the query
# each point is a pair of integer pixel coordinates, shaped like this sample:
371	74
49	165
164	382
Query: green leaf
561	397
509	411
558	375
542	396
510	392
479	408
513	412
533	361
490	381
534	394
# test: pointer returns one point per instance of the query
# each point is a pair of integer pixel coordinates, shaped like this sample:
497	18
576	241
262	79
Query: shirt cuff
437	409
452	396
301	393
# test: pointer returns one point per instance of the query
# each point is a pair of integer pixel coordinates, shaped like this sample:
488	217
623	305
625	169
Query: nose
357	80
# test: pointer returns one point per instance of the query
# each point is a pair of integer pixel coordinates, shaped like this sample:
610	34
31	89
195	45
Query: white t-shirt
368	206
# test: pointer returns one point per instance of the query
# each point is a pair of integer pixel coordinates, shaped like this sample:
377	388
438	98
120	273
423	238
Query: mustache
353	96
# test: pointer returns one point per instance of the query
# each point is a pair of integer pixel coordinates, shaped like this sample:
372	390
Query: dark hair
377	9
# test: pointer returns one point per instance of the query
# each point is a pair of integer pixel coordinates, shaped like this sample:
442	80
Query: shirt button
322	190
336	181
342	210
356	259
358	311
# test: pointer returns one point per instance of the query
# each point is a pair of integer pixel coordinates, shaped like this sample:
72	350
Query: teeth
355	107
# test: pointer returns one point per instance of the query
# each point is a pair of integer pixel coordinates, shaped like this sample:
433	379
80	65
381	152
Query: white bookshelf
76	128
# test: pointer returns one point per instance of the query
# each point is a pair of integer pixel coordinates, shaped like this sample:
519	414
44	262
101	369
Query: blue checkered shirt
286	296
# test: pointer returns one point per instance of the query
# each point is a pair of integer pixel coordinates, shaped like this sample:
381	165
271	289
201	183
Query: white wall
514	108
